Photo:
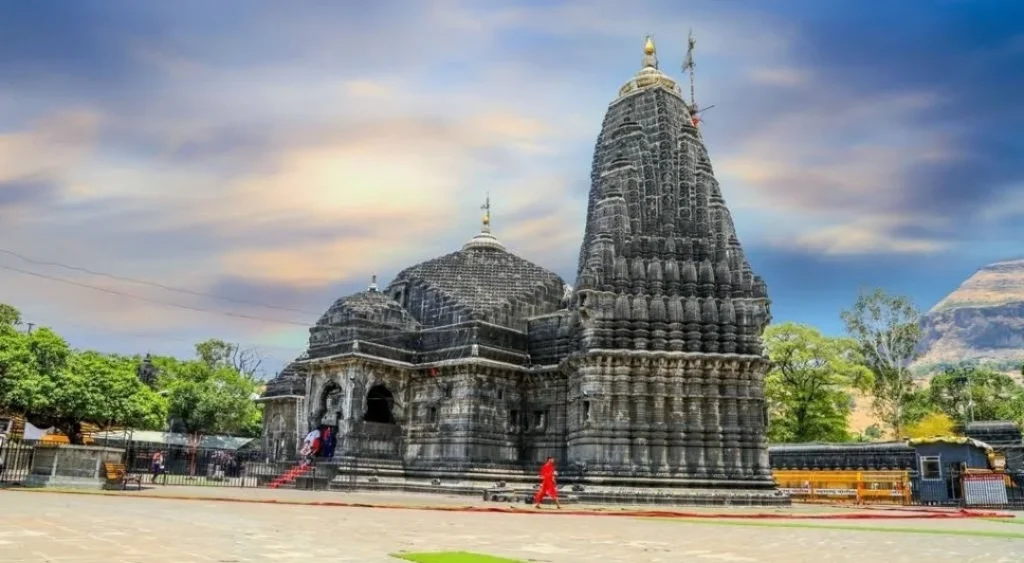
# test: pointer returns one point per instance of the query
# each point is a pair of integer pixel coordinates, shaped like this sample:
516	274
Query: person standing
548	488
157	466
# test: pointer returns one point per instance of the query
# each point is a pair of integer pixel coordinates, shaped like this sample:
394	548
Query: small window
447	391
432	415
513	419
931	469
538	420
501	394
586	411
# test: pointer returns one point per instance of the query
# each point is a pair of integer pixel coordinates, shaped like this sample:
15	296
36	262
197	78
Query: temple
645	380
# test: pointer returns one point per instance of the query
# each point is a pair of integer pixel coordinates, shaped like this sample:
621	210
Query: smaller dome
649	74
484	240
368	306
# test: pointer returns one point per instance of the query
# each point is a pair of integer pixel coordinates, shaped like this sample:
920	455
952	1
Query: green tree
213	394
209	397
51	385
9	315
29	363
217	353
886	328
974	393
808	386
99	389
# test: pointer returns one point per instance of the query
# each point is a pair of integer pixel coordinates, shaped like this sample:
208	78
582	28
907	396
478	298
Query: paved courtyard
74	528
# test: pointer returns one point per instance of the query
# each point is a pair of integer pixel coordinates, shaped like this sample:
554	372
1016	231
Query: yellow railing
846	486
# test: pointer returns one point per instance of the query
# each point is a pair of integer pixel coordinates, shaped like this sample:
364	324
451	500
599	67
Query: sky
260	159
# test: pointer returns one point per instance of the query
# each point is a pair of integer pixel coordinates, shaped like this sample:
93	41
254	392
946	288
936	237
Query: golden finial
486	207
649	46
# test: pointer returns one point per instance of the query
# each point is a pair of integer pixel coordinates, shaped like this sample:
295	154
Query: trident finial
688	67
486	207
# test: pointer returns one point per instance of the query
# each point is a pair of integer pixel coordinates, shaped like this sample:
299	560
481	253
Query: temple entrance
379	404
328	406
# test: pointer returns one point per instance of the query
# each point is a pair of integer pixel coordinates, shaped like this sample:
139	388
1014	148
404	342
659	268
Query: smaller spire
650	59
373	283
486	207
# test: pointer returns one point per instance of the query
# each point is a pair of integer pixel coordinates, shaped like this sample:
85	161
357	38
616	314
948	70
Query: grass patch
453	557
849	528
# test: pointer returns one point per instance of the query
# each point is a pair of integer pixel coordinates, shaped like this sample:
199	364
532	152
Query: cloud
167	145
779	76
873	235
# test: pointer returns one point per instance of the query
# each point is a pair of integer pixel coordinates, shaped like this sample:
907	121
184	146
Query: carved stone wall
463	417
283	426
677	416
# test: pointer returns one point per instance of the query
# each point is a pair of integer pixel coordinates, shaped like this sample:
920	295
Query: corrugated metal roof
961	440
173	439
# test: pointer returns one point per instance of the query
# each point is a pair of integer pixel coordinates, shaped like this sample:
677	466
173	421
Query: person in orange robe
547	484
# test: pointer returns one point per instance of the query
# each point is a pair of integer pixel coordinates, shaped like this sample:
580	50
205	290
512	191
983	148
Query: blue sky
281	153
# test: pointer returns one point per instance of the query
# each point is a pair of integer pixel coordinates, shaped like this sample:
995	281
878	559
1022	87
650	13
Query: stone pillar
639	419
712	419
659	435
696	461
678	418
731	422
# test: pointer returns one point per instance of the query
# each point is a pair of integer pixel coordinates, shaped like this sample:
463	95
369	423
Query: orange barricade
872	487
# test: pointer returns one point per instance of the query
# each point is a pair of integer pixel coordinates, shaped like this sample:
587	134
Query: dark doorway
378	405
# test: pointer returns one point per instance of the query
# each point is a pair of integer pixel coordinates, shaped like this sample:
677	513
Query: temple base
512	484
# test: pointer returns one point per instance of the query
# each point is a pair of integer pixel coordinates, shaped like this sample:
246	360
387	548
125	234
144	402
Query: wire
152	284
150	300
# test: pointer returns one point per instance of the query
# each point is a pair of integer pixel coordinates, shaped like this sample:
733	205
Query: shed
941	463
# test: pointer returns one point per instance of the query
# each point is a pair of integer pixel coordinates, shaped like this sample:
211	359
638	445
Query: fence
182	465
15	460
861	487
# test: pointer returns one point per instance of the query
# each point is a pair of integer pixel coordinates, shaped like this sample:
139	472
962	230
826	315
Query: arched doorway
328	406
379	404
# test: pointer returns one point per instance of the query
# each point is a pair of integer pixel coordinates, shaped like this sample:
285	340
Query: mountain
982	320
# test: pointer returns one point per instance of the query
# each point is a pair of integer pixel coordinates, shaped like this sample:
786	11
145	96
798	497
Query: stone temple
645	380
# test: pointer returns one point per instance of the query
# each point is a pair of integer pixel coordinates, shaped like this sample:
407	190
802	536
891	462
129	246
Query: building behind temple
475	366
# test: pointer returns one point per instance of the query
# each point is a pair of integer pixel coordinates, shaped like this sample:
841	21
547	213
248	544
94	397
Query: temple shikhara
644	380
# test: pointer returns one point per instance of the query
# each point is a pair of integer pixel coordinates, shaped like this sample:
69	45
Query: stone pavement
66	528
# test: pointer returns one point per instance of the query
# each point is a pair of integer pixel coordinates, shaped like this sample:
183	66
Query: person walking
157	466
548	488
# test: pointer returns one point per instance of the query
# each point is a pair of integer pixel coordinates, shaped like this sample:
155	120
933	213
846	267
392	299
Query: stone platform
387	476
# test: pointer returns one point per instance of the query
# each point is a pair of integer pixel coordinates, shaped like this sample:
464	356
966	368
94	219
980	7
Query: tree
9	315
29	363
100	389
887	330
808	387
53	386
218	353
933	424
207	398
966	394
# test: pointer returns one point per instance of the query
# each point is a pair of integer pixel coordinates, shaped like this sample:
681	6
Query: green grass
850	528
452	557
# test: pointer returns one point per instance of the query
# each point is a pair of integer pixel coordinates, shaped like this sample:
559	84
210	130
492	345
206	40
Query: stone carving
648	373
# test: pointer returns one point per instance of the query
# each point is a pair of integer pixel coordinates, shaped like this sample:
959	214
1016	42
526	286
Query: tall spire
486	207
650	59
